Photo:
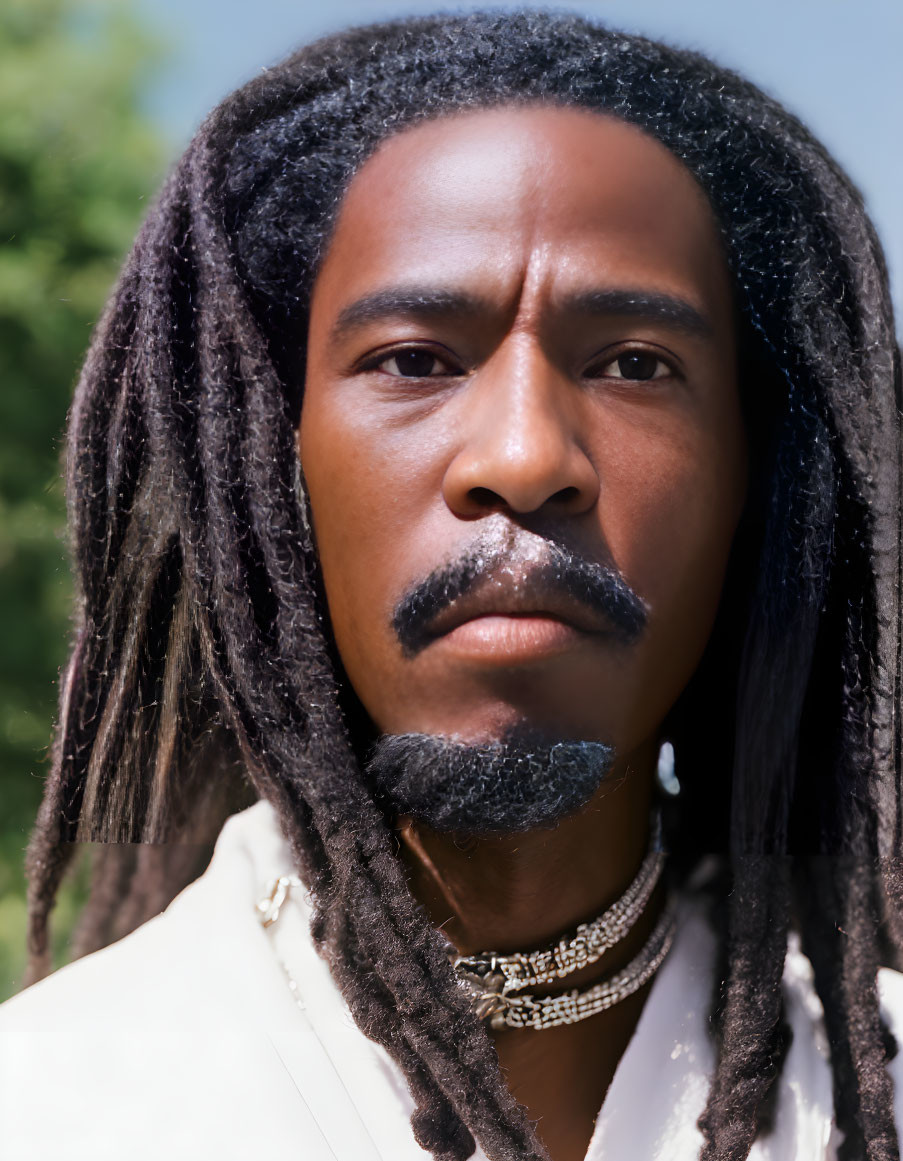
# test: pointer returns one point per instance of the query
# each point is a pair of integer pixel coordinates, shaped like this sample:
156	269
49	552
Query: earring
667	779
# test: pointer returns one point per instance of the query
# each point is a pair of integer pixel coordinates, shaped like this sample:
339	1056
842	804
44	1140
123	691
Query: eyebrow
667	309
431	302
408	302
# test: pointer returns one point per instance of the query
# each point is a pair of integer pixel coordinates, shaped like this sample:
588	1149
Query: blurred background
97	98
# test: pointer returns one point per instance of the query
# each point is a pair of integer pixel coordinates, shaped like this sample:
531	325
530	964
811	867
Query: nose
521	446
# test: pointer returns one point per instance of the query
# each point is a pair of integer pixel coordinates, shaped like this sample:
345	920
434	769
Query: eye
638	366
413	363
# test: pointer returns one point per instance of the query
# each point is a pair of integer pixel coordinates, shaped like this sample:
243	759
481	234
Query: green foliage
78	162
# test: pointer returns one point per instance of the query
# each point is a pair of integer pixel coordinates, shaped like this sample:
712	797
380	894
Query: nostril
565	496
486	498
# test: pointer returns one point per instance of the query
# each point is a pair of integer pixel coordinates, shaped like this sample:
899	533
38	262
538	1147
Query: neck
520	892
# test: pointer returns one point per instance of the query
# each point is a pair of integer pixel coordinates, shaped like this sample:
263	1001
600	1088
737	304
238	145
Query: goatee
523	781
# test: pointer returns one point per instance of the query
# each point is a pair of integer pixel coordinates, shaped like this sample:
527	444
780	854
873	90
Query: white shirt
184	1041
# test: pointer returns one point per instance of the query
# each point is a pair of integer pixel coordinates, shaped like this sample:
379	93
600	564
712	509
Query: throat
561	1076
520	893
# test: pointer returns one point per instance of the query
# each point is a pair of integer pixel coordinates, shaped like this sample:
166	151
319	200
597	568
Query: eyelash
376	362
670	368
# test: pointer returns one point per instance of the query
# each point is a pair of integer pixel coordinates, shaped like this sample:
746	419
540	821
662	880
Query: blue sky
835	63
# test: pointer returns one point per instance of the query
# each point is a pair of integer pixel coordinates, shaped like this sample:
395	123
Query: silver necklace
510	1010
495	982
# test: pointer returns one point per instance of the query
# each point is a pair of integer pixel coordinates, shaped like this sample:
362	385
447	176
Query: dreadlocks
201	648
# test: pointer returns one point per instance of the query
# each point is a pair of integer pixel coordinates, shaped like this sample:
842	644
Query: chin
524	780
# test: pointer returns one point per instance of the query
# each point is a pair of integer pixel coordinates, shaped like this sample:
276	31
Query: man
488	401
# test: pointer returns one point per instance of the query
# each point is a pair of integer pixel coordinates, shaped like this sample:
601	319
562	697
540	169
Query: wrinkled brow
431	302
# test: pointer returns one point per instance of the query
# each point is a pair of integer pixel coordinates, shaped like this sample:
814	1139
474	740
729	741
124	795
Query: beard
521	782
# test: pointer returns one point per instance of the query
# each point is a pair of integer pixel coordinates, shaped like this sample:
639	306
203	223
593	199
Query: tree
78	161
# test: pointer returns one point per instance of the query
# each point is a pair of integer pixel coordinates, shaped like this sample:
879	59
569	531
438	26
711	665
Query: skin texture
522	414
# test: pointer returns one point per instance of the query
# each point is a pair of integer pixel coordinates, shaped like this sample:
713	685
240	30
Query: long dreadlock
201	646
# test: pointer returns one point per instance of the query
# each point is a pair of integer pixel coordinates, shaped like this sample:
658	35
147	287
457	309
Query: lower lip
513	638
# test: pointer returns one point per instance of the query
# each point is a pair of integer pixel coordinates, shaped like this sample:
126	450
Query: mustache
547	566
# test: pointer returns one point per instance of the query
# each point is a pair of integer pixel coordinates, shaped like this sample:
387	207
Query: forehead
570	195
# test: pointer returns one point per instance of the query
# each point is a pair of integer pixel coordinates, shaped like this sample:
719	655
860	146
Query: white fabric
183	1041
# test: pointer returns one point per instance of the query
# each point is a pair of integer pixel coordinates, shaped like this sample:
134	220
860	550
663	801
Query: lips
522	597
516	587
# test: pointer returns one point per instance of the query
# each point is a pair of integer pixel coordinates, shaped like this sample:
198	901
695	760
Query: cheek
364	481
367	483
669	518
672	515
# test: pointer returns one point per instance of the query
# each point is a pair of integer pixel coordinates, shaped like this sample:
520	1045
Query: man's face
521	337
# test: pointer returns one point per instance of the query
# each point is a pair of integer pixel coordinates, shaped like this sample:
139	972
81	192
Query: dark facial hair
525	779
518	783
559	571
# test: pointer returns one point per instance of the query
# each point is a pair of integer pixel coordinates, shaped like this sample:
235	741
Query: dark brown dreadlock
201	647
